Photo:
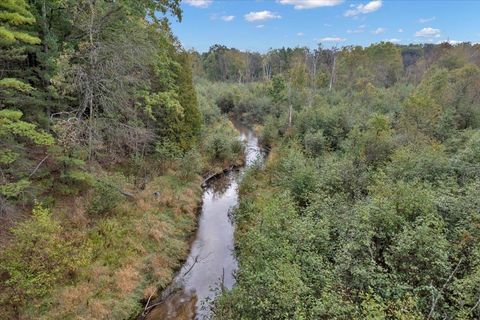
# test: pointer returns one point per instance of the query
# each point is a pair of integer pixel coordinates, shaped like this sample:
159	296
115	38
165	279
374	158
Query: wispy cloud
227	18
379	30
300	34
359	29
428	33
400	30
393	40
310	4
331	39
199	3
364	8
261	16
425	20
260	26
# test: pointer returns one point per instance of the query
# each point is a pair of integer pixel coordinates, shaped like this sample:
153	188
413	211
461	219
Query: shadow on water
211	265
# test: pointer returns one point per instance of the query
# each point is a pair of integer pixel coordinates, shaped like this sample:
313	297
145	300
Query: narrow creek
212	263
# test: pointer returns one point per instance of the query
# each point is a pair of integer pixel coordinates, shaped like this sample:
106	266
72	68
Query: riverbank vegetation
368	207
101	156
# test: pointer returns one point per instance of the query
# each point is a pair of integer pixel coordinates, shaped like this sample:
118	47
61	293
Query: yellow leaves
15	18
12	83
6	35
8	156
10	123
26	38
13	189
168	100
16	14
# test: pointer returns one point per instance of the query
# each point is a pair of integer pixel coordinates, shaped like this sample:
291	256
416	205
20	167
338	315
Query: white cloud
261	16
332	39
328	25
400	30
379	30
310	4
393	40
260	26
452	42
199	3
300	34
227	18
425	20
363	8
428	33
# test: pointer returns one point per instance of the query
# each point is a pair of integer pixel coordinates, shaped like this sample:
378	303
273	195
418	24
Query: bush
190	164
315	142
226	103
38	260
221	142
106	196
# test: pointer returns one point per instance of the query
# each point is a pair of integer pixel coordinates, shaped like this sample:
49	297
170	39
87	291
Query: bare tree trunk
89	84
290	107
45	50
290	115
332	77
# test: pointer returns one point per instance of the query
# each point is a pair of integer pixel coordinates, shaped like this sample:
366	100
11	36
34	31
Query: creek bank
211	264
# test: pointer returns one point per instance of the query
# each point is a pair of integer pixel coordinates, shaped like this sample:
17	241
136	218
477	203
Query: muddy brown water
211	264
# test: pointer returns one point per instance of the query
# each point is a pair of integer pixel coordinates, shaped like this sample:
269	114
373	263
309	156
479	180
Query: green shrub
190	164
38	260
221	142
106	196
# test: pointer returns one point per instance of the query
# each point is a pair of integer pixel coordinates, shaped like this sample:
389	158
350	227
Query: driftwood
148	307
125	193
216	175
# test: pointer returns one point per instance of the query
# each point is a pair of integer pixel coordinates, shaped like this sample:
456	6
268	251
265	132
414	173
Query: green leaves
38	258
11	83
13	133
10	124
13	15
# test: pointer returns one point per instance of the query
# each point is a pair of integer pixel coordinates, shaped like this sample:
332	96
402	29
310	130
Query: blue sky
258	25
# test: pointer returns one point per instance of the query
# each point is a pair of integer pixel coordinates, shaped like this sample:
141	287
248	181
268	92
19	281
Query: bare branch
38	166
435	297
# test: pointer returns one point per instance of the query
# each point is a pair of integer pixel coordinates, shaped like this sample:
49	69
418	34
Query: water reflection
211	264
219	186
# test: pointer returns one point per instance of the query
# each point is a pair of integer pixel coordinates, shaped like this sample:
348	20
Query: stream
211	263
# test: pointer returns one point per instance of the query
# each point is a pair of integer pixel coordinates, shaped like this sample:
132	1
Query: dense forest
99	156
367	206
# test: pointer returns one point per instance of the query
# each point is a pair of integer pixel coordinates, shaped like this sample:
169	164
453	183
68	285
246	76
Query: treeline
317	68
368	207
99	155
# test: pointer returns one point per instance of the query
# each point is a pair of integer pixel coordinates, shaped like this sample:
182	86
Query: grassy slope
131	252
125	255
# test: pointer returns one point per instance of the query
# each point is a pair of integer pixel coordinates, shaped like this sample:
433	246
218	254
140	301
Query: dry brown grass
161	268
155	227
128	278
98	309
150	292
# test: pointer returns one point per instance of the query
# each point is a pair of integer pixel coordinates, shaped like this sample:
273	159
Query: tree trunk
332	77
